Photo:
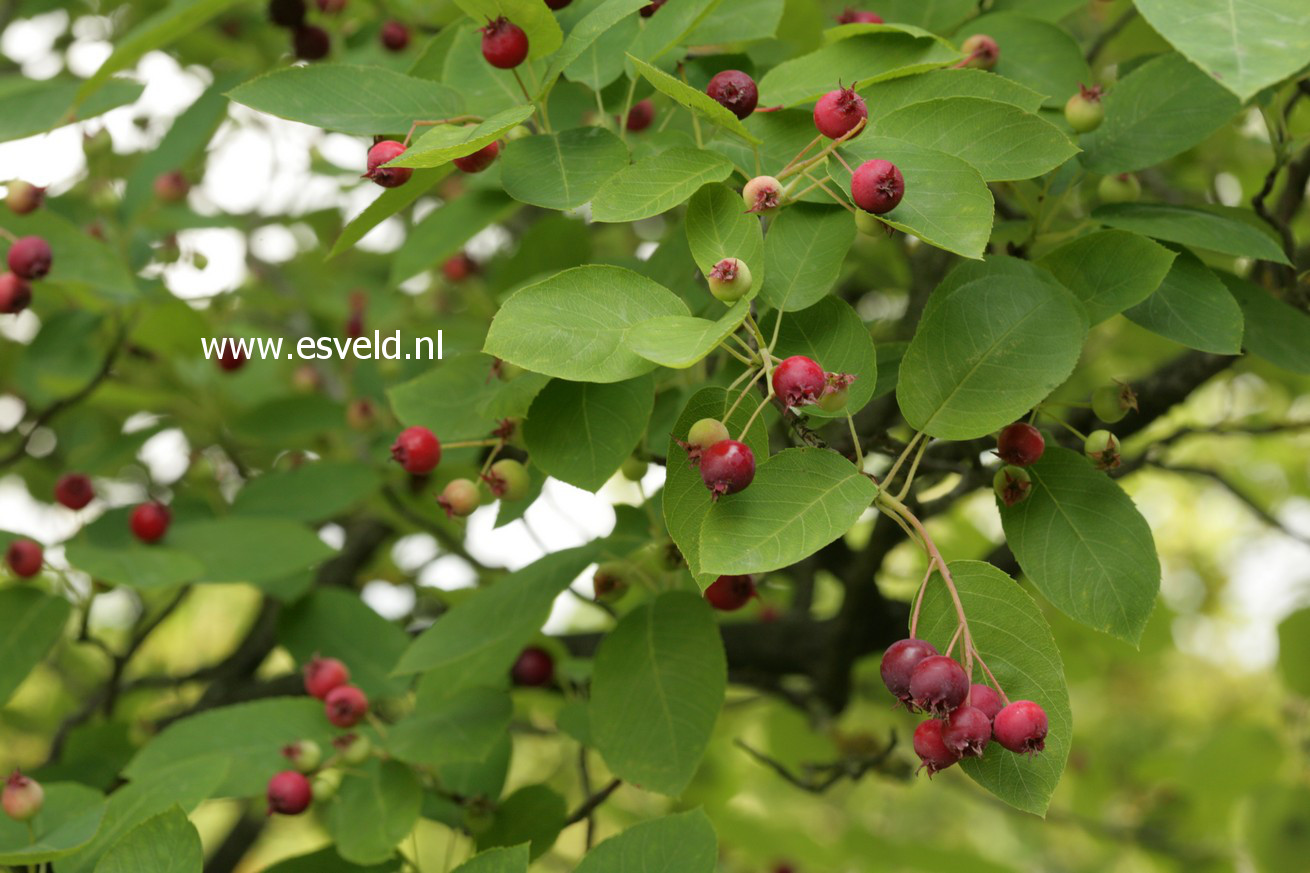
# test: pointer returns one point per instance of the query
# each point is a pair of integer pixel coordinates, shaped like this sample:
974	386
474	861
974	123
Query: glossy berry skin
324	674
898	664
288	793
508	480
798	380
640	116
1103	448
727	467
938	685
30	257
838	112
1084	110
479	160
24	557
735	91
388	177
1021	727
1123	188
1020	444
23	797
459	498
286	13
150	521
730	280
985	698
417	449
980	52
171	187
24	197
74	490
394	36
1012	484
15	294
504	44
345	706
877	186
762	195
859	16
311	42
730	593
967	731
458	267
931	748
533	669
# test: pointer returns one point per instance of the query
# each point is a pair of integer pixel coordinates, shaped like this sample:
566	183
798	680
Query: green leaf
1034	53
134	564
803	255
1245	45
326	861
860	60
1146	124
574	325
188	136
890	95
251	550
939	16
679	341
1082	542
719	227
78	257
584	34
1215	228
445	230
444	142
681	843
564	170
507	860
484	88
463	727
800	500
986	353
1110	270
310	492
1279	830
167	843
1016	643
449	398
831	333
605	60
336	621
387	204
1192	307
657	184
68	821
360	100
1276	331
375	808
1294	651
534	814
29	107
582	432
656	691
738	22
536	19
30	625
662	34
695	101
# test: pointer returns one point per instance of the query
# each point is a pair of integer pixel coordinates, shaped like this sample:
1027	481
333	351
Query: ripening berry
30	257
417	449
533	669
504	44
458	267
898	664
735	91
24	557
729	593
150	521
1103	448
74	490
1012	484
938	685
459	498
1021	727
556	5
15	294
799	380
479	160
985	698
311	42
640	116
394	36
345	706
762	195
1084	110
839	112
304	755
727	467
1020	444
859	16
1122	188
877	186
286	13
706	432
931	748
23	797
508	479
324	674
382	153
289	793
967	731
730	280
23	197
172	187
980	52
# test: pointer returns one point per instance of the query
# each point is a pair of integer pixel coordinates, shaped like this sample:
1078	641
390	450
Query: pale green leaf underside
445	142
657	184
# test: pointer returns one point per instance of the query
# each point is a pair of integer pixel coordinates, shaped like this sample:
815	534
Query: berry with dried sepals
172	187
898	664
1121	188
23	797
839	112
508	479
730	280
150	521
836	391
345	706
30	257
1103	448
324	674
938	685
730	593
877	186
1021	727
23	197
458	267
1012	484
703	434
799	380
1111	403
311	42
727	467
394	36
735	91
762	195
634	469
289	793
382	153
354	749
304	755
931	748
504	44
1084	111
967	731
640	116
610	581
417	449
1020	444
985	698
460	498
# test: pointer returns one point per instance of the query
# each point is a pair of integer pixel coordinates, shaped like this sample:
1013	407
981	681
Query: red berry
417	450
230	357
172	187
931	748
898	664
799	380
29	257
877	186
479	160
984	697
1021	727
15	294
288	793
967	731
504	44
727	467
387	177
735	91
24	558
23	797
286	13
459	267
859	16
74	490
1020	444
534	668
938	685
640	116
324	674
728	593
24	197
150	522
345	706
651	8
394	36
311	42
838	112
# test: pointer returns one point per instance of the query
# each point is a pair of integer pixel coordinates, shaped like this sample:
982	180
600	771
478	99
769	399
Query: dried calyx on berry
730	280
1012	484
610	581
980	52
877	186
1103	448
1084	110
289	793
735	91
1021	727
1020	444
938	685
504	44
417	449
839	112
383	153
22	797
931	748
460	498
762	195
1110	403
508	479
898	664
534	668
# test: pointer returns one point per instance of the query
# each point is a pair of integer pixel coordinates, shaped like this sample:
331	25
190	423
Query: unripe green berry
508	480
1012	484
1112	402
1103	448
324	786
834	401
1123	188
611	580
730	280
355	749
706	433
1084	111
869	224
459	498
634	469
304	755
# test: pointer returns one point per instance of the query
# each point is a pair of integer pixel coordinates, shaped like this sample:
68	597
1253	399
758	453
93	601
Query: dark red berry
479	160
231	357
727	467
458	267
1020	444
172	187
640	116
859	16
388	177
286	13
728	593
877	186
1021	727
967	731
324	674
558	4
345	706
74	490
838	112
24	558
938	685
288	793
311	42
150	522
735	91
29	257
417	450
504	44
986	698
651	8
15	294
394	36
898	664
534	668
799	380
931	748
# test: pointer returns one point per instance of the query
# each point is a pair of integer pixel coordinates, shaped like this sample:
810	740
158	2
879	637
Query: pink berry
859	16
459	498
311	42
938	685
980	52
877	186
24	558
727	467
417	449
640	116
504	44
23	797
762	195
30	257
729	593
534	668
898	664
1020	444
15	294
479	160
74	490
735	91
24	197
286	13
931	748
172	187
799	380
324	674
838	112
345	706
150	522
394	36
986	698
967	731
381	153
288	793
458	267
1021	727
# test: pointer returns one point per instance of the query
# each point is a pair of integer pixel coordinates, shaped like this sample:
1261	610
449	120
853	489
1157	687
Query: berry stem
736	354
750	352
827	150
1066	425
763	403
855	438
988	673
542	122
914	468
4	232
955	638
839	200
744	375
905	452
627	107
491	458
918	603
842	161
802	153
468	444
455	119
749	385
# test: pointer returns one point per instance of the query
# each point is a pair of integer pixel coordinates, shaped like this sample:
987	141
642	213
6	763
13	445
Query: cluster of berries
310	42
29	258
418	451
